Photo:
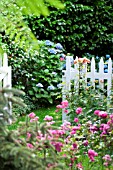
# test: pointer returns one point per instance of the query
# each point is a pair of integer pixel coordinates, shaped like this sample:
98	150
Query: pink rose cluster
33	117
30	146
58	146
101	114
66	125
79	166
64	104
85	142
104	128
110	121
48	118
92	154
57	133
79	110
107	159
74	129
93	128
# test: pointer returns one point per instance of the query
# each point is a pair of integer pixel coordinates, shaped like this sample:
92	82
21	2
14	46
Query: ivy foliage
12	19
82	26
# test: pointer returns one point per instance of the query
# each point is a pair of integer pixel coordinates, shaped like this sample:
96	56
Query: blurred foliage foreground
14	155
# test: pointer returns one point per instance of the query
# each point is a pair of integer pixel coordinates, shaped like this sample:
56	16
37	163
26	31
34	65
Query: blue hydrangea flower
39	85
33	79
88	54
105	66
88	84
59	46
51	87
54	73
59	85
97	57
97	86
52	51
63	55
48	42
64	67
106	70
107	56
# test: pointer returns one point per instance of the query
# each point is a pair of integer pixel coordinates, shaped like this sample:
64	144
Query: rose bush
82	145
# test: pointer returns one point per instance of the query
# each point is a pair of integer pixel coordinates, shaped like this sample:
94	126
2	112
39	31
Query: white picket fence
72	74
5	74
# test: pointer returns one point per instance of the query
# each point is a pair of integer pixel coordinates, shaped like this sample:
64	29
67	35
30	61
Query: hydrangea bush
39	73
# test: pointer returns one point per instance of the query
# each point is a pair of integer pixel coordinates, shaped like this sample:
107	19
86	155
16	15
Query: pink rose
79	166
74	145
66	111
103	114
32	115
65	103
29	145
57	110
28	135
92	154
61	59
85	143
48	118
59	106
79	110
76	120
107	158
96	112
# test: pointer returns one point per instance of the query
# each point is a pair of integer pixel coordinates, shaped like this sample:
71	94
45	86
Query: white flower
39	85
51	87
59	85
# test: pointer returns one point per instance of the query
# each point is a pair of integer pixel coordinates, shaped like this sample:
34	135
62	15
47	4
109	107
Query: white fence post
66	79
109	83
5	74
101	71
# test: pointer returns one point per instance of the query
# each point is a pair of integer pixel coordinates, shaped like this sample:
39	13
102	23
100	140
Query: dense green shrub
83	26
39	74
12	19
19	110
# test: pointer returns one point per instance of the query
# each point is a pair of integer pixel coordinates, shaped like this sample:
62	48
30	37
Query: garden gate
5	74
72	74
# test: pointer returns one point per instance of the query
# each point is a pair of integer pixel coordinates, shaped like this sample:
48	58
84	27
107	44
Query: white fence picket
109	83
101	70
73	74
5	74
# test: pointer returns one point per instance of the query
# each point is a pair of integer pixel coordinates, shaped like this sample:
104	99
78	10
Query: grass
41	113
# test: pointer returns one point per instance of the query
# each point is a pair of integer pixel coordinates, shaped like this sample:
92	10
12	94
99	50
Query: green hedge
83	26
